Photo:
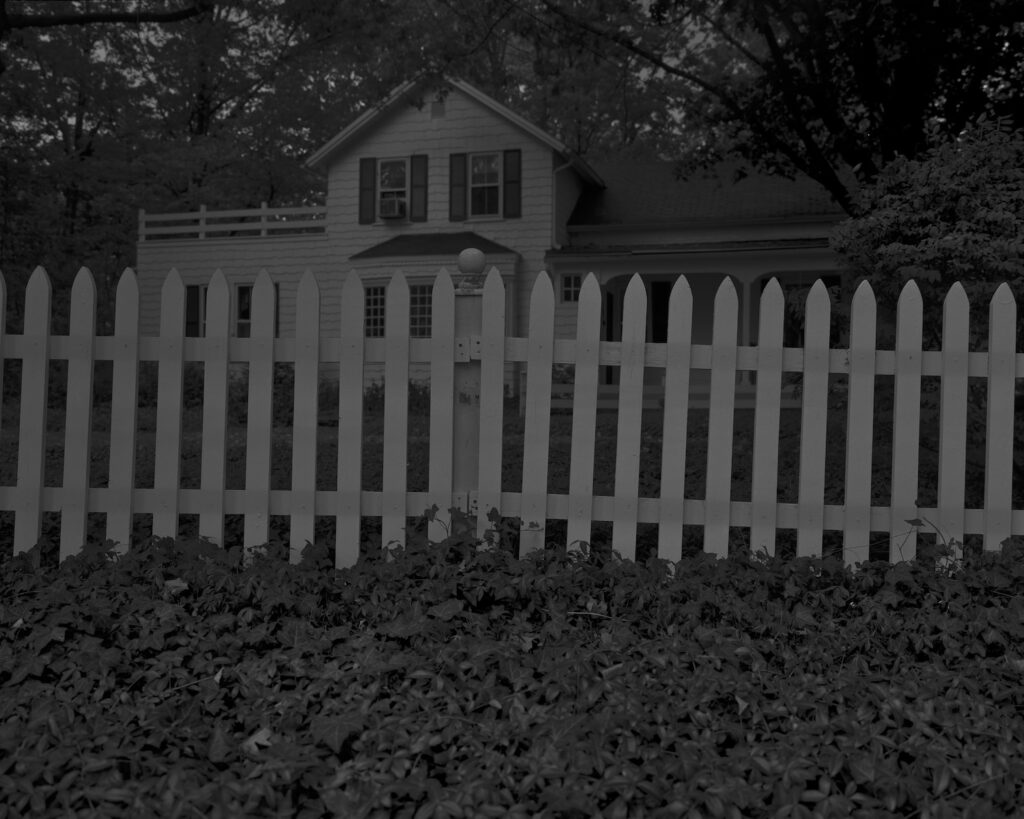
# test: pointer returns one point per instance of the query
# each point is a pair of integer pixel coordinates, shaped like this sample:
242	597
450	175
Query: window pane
392	174
484	201
420	300
245	303
484	169
374	312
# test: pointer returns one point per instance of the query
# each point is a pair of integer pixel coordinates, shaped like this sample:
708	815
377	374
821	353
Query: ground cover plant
445	680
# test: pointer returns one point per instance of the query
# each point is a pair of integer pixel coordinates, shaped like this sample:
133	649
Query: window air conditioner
392	208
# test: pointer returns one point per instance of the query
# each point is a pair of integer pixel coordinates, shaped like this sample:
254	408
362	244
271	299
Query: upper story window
393	189
485	184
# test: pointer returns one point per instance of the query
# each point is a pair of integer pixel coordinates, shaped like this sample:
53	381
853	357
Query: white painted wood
260	423
860	410
28	517
350	422
536	443
305	416
454	428
124	411
953	414
1002	348
674	424
74	516
492	399
627	438
906	424
584	416
813	421
396	410
718	492
764	496
167	466
213	470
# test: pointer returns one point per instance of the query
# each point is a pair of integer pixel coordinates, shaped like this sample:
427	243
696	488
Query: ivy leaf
220	746
258	741
446	610
334	731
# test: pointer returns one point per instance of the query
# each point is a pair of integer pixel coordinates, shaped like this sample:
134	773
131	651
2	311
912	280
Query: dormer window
393	188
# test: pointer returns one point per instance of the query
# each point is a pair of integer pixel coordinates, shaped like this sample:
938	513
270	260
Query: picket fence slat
718	490
768	402
305	416
443	445
492	400
906	423
952	479
584	419
35	368
216	373
78	420
672	516
469	357
813	421
260	413
860	414
396	411
124	410
627	437
1002	341
537	416
350	422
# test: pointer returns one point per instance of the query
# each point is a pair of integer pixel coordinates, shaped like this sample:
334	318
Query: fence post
466	409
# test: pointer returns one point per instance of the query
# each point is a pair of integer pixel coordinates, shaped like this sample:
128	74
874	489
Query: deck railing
226	224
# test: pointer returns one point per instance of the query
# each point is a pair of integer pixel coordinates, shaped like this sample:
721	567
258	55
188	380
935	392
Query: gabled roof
650	192
431	244
405	94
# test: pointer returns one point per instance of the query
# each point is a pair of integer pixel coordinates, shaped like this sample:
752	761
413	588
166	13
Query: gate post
466	420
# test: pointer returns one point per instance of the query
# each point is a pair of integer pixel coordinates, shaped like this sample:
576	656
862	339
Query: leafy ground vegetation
446	680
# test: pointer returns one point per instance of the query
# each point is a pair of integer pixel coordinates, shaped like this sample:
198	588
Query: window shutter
418	203
457	188
367	190
512	206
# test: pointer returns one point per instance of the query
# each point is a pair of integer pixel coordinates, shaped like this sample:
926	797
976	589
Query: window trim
381	190
498	185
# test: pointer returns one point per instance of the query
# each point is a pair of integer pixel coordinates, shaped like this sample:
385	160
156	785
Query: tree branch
22	19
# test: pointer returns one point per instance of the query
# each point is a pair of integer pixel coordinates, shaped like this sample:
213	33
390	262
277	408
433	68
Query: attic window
393	188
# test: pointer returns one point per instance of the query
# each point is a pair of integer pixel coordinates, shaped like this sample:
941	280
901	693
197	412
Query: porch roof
431	244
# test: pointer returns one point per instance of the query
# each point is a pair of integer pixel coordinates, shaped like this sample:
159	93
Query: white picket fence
467	357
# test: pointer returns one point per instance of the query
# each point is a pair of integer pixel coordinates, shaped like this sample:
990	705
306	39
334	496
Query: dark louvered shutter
512	204
418	204
367	190
457	188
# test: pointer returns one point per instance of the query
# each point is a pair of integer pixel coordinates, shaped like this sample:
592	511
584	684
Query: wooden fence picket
170	378
1002	348
492	399
216	372
584	418
764	500
672	513
124	411
350	422
718	492
260	414
952	483
396	411
537	417
35	367
74	516
906	424
627	436
441	461
860	413
305	415
813	422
